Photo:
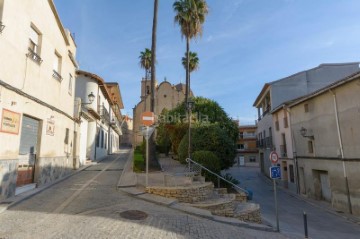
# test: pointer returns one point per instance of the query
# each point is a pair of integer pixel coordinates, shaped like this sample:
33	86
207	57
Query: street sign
147	132
275	172
274	157
148	118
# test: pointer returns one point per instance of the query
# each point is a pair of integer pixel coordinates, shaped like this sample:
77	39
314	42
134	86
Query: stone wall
189	194
248	212
8	178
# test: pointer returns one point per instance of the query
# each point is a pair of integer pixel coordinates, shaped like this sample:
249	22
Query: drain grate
133	215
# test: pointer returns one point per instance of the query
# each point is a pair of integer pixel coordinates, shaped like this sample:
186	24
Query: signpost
275	173
147	119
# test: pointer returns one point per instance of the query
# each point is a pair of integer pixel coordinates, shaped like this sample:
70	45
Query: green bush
139	162
209	138
207	159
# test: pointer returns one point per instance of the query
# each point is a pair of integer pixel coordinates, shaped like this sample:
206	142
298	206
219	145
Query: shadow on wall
8	175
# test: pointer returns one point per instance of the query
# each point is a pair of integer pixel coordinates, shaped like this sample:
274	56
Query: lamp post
190	105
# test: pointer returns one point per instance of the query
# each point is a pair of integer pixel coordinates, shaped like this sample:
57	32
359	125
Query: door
242	160
27	151
325	187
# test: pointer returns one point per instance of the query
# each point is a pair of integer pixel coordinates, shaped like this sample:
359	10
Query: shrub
139	162
209	138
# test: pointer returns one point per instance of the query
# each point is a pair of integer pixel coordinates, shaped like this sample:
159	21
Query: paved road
87	205
321	223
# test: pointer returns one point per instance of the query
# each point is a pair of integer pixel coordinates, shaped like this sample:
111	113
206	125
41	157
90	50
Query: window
66	140
70	84
306	108
147	89
241	135
1	13
286	125
310	146
241	146
252	159
277	125
34	45
57	67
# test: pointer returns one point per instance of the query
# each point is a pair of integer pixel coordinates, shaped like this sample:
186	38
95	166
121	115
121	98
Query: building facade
273	94
247	152
38	133
99	106
326	132
167	96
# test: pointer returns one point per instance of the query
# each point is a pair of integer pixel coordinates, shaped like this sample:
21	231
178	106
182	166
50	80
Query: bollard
305	225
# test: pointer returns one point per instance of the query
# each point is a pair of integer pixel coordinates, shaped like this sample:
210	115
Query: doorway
28	151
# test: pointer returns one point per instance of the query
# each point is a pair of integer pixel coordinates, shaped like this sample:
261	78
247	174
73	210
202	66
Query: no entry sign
147	118
274	157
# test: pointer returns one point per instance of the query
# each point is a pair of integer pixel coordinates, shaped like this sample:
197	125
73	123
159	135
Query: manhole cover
133	215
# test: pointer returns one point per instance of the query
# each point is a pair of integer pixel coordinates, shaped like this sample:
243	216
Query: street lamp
303	132
190	105
91	98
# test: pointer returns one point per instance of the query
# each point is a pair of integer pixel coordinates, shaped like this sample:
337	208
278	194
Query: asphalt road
322	224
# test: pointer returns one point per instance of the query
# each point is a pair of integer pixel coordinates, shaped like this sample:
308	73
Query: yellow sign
10	122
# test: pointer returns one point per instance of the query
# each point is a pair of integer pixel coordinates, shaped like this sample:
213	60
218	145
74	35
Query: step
25	188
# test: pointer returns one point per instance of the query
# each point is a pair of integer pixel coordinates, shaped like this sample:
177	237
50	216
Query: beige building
167	96
100	116
38	131
326	132
247	151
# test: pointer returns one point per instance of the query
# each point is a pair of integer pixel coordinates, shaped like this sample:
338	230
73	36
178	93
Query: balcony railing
283	151
56	75
268	142
104	114
33	56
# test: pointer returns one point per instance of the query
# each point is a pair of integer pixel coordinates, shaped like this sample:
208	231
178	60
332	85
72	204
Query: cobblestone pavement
88	205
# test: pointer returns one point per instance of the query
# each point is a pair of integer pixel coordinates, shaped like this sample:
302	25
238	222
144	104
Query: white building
38	133
98	108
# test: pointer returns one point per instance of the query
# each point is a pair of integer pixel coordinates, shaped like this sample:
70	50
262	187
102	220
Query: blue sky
245	44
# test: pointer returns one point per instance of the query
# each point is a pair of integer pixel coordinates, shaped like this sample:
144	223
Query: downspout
294	153
342	151
96	124
109	133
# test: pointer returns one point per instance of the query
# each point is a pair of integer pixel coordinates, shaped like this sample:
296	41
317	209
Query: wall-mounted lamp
303	132
2	26
91	98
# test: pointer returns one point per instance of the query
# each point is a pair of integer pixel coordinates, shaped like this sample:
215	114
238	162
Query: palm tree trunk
187	90
152	153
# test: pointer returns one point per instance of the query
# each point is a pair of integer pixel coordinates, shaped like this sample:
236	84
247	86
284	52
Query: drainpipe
342	152
294	153
109	133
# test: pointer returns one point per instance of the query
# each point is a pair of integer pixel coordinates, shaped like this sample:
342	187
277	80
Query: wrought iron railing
196	167
104	114
56	75
35	57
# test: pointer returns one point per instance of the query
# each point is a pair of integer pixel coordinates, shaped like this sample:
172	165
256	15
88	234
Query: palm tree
190	15
145	63
152	152
193	63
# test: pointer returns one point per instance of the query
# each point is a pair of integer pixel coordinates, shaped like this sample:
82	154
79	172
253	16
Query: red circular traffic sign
274	157
148	118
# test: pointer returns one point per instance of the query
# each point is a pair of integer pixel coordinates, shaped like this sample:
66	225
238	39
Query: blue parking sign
275	172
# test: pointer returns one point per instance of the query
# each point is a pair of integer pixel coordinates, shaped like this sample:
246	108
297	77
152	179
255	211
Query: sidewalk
320	204
134	185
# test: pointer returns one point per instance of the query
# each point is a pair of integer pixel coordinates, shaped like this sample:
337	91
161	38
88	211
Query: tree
190	15
152	151
193	62
145	63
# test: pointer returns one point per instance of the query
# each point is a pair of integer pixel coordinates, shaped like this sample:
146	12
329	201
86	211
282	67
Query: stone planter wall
188	194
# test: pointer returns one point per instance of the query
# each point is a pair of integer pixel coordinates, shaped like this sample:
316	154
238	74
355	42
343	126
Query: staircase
190	189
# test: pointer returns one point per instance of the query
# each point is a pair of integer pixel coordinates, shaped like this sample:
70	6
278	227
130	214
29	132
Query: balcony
268	142
104	114
115	124
57	76
33	56
283	151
